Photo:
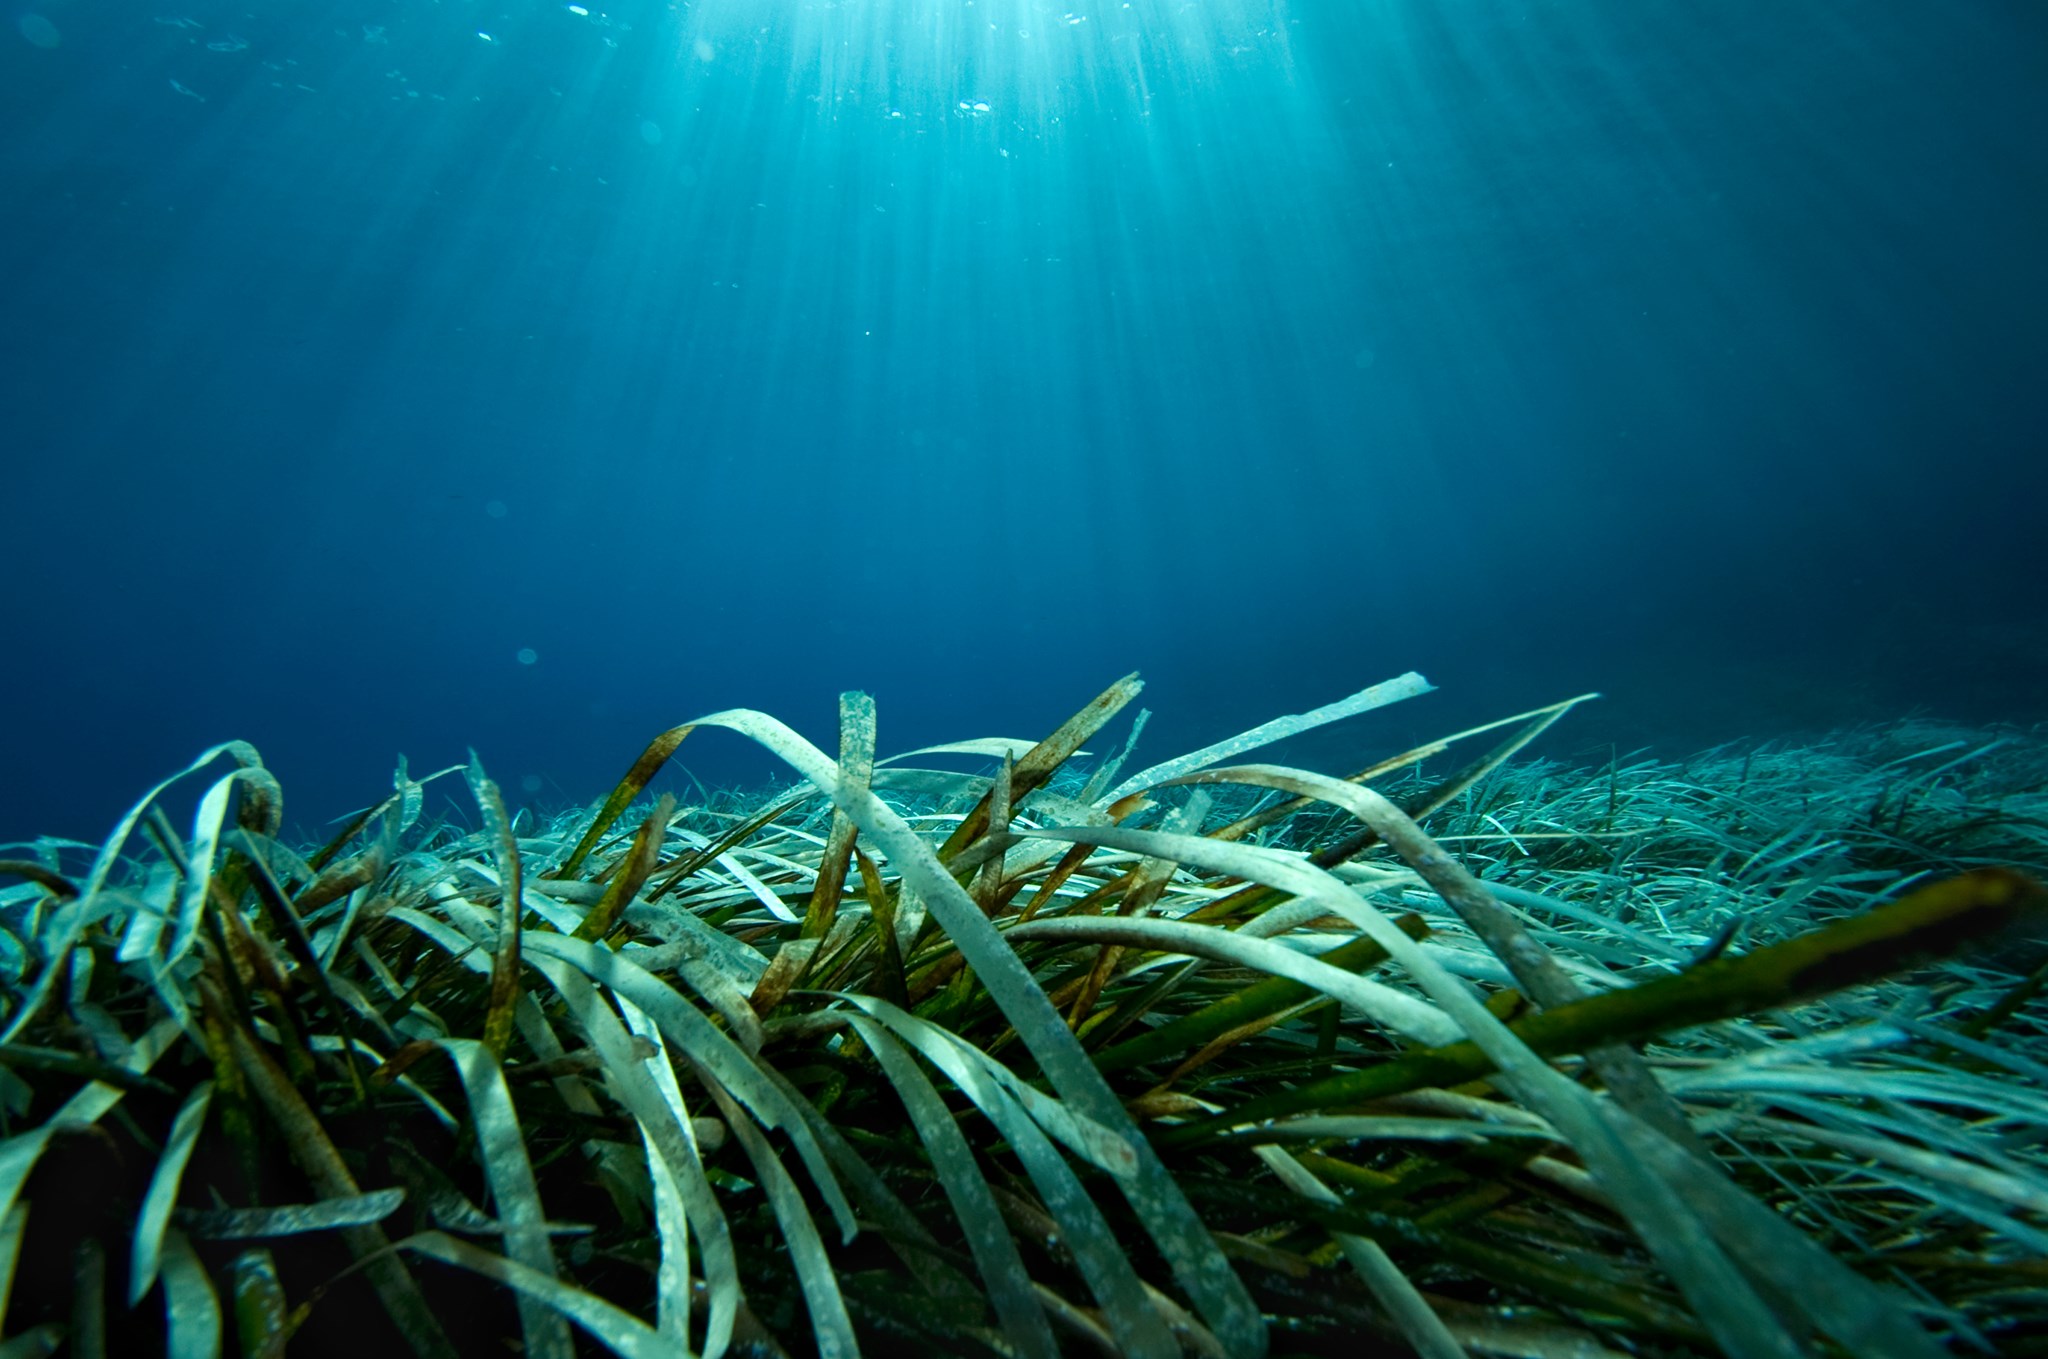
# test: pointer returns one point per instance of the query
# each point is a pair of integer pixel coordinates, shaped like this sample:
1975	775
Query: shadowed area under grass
1022	1046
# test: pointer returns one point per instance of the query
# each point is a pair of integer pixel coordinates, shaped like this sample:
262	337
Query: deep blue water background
1691	353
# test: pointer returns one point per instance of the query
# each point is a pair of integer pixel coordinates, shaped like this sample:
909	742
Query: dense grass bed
1022	1047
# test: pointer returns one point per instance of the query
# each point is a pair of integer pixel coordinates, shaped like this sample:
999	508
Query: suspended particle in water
529	783
527	655
650	132
495	509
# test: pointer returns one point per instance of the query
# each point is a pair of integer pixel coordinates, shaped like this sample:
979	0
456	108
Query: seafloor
1012	1048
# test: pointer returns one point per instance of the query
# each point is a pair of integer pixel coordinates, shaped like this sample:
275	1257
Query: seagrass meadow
1027	1047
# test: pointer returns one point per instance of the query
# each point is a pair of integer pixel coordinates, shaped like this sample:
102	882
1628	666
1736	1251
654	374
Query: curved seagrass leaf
1399	1010
19	1154
162	1194
322	1164
717	851
1030	772
1647	945
152	907
632	874
1393	1290
407	799
66	924
899	1226
450	1209
1198	1263
12	1227
656	1105
1539	975
1514	1266
1178	1037
1740	1320
974	1207
511	908
458	946
784	969
191	1307
337	882
616	1329
26	1057
42	875
667	921
671	1204
672	1293
1659	1206
969	1066
2012	1186
202	855
1361	1127
502	1149
1101	1260
1099	778
285	922
262	1319
830	1326
13	959
1935	920
857	766
1537	720
992	747
1865	1319
644	769
1437	795
687	957
1279	729
289	1219
709	1047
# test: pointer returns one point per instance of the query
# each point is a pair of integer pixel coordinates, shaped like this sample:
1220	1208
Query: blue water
406	377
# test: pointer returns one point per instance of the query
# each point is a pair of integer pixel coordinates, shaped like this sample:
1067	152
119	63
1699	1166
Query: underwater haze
389	376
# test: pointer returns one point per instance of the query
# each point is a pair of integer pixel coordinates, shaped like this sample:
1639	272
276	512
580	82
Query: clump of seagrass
1206	1058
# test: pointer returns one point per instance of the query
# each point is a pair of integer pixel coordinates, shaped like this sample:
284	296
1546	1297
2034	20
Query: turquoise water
390	377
